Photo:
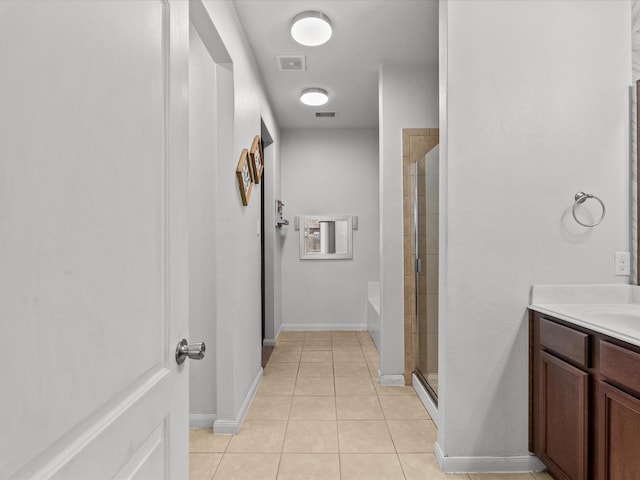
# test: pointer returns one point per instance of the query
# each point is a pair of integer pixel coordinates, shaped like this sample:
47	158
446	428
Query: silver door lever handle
195	351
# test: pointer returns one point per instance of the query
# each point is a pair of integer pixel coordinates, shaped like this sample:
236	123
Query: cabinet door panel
563	440
619	434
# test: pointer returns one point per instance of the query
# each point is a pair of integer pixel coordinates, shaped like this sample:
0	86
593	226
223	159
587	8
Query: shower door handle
194	351
418	265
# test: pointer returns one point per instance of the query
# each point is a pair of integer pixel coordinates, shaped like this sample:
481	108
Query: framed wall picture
257	163
245	178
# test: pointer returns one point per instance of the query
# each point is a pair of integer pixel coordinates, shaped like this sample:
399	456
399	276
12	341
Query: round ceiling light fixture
311	28
314	97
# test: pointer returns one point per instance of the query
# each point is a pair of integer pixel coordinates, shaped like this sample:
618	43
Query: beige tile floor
319	414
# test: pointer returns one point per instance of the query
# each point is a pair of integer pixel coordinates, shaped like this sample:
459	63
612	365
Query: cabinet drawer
564	341
620	365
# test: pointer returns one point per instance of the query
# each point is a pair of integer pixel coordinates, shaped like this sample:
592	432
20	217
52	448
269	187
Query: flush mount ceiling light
314	97
311	28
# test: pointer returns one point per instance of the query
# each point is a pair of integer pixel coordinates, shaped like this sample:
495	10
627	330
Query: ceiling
366	33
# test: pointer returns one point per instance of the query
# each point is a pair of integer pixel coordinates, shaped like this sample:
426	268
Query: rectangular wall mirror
326	237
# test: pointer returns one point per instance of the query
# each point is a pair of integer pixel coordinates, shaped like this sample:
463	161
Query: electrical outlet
622	264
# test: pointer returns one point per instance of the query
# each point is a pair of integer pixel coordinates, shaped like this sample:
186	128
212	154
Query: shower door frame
416	143
419	264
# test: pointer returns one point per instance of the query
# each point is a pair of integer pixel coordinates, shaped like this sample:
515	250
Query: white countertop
612	310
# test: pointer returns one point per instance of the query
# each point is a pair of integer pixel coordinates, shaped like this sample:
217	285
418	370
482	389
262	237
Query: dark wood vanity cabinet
584	402
559	394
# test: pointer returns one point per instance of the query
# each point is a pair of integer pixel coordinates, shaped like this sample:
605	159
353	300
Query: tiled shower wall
416	142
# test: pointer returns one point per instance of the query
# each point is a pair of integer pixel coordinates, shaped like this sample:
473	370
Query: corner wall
203	139
635	60
324	172
535	108
237	316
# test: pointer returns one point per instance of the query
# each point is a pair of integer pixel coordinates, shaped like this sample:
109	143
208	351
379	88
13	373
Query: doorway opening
267	141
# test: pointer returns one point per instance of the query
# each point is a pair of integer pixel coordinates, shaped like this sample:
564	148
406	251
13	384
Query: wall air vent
291	63
325	114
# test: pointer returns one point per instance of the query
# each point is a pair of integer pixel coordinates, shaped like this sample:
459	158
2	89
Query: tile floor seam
278	467
386	424
404	474
217	466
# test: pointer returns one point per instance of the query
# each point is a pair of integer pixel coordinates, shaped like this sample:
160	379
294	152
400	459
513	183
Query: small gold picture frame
245	178
257	162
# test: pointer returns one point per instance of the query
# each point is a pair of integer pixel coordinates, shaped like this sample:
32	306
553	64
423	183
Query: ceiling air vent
291	63
325	114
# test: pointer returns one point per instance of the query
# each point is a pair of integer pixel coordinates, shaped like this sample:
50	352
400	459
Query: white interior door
93	239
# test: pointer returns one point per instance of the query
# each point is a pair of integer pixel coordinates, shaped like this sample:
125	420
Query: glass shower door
426	217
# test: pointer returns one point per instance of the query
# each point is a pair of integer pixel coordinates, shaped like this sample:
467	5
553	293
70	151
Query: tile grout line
386	423
286	429
335	403
213	474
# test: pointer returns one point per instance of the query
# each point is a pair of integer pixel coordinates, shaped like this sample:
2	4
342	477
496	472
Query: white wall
202	197
237	353
408	98
535	109
635	60
329	171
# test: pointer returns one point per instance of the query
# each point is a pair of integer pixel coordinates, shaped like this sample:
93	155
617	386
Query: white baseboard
200	420
233	426
271	342
426	399
322	327
390	380
517	464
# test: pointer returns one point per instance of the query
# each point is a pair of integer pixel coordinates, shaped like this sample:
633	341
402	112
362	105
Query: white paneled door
93	239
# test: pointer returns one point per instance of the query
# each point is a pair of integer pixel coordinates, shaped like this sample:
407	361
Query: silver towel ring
582	197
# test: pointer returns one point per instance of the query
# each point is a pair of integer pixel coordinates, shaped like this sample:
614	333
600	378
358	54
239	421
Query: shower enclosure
426	219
